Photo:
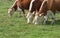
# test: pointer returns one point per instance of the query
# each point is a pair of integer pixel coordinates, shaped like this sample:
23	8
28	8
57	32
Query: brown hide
43	9
53	5
23	4
36	5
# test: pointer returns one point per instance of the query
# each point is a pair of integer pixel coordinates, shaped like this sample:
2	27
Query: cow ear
34	12
41	14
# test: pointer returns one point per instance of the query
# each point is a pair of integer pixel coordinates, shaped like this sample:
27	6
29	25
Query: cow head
40	13
38	18
30	14
10	12
30	17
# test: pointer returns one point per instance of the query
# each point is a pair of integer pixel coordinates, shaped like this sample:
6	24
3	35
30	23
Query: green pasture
15	27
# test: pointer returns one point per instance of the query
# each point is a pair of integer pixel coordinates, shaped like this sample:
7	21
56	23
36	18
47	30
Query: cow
34	5
19	5
50	6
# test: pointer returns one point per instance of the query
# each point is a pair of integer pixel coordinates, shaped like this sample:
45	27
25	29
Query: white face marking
31	4
10	12
29	17
42	4
14	3
35	21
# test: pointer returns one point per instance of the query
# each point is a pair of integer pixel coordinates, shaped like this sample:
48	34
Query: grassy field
15	27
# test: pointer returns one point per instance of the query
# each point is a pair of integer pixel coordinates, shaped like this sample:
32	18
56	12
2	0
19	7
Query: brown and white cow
50	6
34	5
19	5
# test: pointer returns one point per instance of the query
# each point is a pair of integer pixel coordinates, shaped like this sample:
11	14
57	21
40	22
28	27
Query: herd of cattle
37	9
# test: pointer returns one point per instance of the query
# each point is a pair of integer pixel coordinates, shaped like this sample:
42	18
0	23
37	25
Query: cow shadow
57	22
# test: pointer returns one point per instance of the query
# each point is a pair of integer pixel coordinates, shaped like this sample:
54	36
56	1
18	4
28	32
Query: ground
15	27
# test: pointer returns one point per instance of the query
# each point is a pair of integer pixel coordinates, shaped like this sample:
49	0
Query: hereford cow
50	6
34	5
19	5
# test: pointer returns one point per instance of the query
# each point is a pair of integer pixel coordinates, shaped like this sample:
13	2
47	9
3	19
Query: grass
15	27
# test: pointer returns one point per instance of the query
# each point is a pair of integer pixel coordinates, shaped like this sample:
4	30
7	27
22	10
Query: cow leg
10	12
52	14
37	19
53	18
19	11
24	13
30	14
45	19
